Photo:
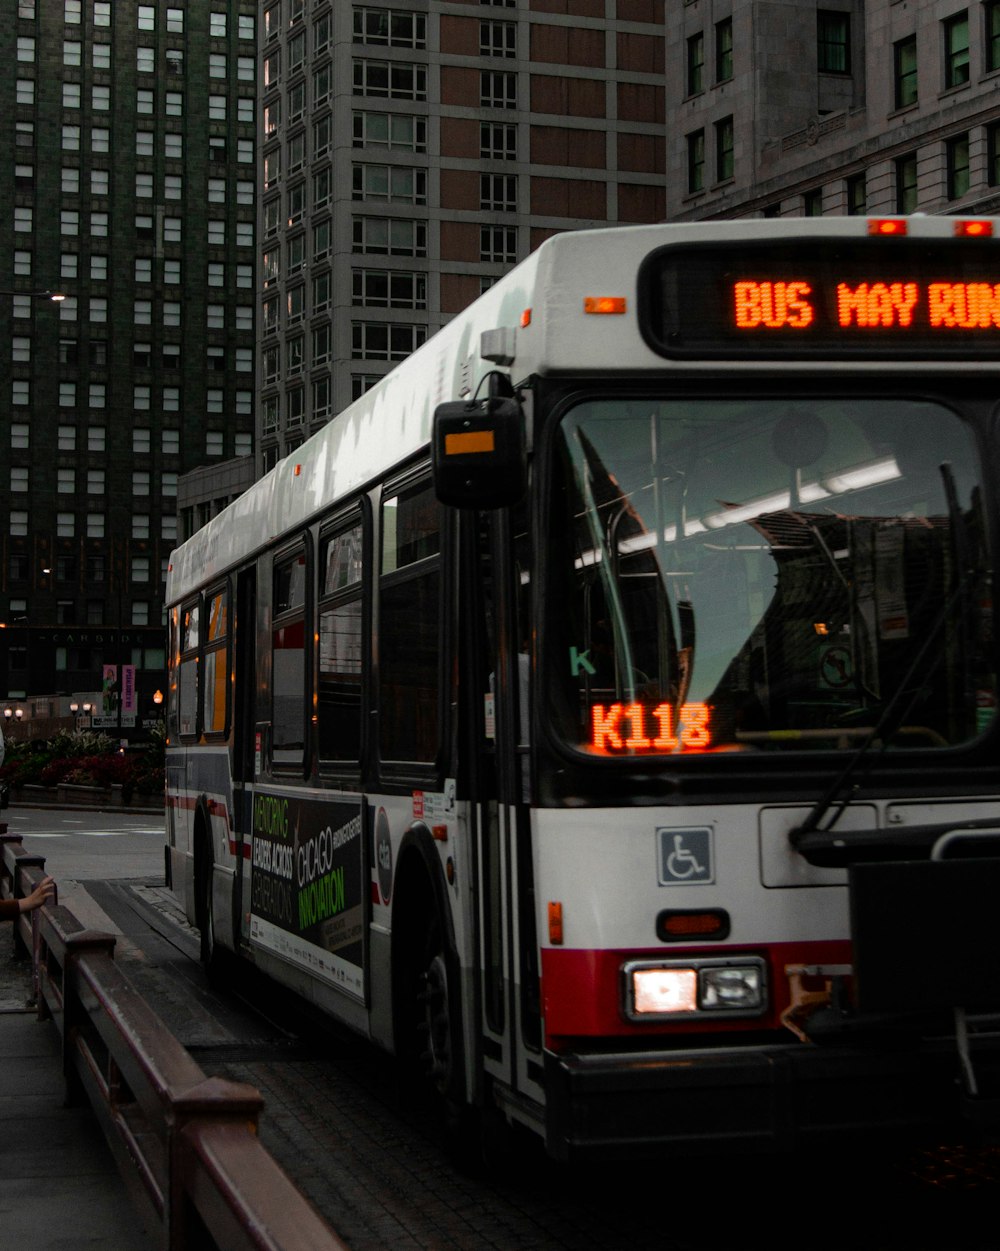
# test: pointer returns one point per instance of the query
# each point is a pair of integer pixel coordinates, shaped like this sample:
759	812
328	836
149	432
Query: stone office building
785	108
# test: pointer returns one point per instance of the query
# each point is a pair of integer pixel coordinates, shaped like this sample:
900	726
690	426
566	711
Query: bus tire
428	1035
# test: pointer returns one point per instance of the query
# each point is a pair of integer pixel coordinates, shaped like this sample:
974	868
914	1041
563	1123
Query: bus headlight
727	988
686	989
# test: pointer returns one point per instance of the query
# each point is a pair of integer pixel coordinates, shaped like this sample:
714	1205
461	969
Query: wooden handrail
186	1144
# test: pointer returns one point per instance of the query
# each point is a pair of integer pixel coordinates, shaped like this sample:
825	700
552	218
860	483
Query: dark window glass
833	42
957	150
409	637
906	183
341	656
724	50
905	71
695	63
956	49
288	662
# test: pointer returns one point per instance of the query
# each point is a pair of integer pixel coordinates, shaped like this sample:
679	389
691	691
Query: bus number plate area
823	297
926	934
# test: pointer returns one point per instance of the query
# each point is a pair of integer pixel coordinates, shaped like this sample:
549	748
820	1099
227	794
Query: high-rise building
786	108
129	182
413	151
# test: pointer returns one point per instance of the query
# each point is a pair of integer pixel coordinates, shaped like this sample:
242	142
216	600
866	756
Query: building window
385	341
905	71
993	154
906	183
992	35
812	203
383	288
392	28
724	149
498	141
695	63
497	89
498	192
498	243
696	161
402	184
390	236
395	80
724	50
497	39
957	159
378	130
956	49
833	42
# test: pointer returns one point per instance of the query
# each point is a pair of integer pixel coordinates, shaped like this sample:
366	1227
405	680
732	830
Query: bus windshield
768	574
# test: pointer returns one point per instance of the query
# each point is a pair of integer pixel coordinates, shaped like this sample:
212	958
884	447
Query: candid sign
306	899
898	297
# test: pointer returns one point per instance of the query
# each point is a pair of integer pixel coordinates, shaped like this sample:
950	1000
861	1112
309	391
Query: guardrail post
213	1102
75	1014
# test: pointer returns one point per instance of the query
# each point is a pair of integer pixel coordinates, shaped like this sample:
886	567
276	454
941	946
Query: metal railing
185	1144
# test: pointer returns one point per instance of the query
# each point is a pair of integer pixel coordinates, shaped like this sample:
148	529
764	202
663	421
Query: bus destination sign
897	298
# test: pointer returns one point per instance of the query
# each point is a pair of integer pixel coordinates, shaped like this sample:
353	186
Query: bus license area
642	728
768	305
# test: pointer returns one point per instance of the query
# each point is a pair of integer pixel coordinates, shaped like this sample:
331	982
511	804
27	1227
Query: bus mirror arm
478	449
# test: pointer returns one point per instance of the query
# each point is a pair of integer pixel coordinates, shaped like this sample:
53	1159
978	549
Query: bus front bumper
636	1104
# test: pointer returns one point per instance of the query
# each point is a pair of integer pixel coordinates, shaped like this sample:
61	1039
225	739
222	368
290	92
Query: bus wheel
434	1015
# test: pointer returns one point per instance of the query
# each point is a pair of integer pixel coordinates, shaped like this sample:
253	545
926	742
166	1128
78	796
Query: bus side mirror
478	453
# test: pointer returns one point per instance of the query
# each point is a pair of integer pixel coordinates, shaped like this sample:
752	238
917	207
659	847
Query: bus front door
509	1021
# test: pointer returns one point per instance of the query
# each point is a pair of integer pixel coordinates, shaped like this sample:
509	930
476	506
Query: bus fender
422	938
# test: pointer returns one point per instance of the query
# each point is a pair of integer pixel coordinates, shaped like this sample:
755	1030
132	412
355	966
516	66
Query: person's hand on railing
42	893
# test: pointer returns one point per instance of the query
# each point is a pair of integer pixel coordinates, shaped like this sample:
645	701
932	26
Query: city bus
599	714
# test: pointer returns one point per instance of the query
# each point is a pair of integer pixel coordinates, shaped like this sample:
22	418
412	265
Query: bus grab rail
185	1144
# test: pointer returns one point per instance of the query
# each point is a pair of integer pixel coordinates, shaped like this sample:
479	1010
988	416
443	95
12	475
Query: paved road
383	1173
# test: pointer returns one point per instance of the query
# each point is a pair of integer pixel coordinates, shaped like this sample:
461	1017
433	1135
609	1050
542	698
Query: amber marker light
887	226
526	318
603	304
975	228
297	471
555	923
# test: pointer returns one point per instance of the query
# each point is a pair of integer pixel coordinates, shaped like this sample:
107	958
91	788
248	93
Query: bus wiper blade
829	850
896	710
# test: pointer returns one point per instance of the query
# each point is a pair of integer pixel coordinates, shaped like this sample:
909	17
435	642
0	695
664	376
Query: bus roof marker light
297	471
526	318
887	226
605	304
974	228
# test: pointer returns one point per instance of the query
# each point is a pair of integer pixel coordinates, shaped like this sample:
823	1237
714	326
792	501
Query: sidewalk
59	1187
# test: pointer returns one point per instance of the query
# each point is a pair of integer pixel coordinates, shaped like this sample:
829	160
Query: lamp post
81	714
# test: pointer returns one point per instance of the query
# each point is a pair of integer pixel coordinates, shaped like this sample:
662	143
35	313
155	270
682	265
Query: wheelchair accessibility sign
685	856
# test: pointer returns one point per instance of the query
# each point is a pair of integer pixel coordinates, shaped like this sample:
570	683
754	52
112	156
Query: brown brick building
469	133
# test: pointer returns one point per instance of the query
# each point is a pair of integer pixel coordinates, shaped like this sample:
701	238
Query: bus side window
288	660
341	656
410	623
188	680
215	684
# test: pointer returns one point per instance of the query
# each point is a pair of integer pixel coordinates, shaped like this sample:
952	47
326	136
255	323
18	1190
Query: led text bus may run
600	713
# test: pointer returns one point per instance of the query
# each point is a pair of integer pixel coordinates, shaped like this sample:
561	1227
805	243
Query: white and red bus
600	713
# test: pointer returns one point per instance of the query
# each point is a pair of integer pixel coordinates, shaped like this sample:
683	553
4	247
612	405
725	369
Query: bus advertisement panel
306	886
